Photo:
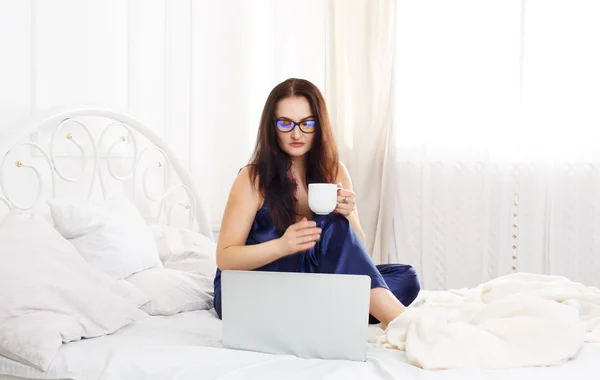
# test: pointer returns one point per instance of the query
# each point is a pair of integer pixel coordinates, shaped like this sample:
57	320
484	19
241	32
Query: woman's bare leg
384	306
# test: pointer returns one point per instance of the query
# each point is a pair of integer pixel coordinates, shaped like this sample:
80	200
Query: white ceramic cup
322	197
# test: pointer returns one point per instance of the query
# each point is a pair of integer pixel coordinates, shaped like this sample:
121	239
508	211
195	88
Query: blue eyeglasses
287	125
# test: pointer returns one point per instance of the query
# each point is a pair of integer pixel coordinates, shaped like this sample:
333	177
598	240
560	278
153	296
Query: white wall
198	72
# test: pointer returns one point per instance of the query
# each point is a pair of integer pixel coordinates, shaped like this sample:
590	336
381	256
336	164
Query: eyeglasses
287	125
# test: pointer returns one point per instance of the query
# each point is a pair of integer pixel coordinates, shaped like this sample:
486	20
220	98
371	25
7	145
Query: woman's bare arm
232	252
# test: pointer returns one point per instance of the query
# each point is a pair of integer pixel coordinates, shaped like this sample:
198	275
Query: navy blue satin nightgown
339	250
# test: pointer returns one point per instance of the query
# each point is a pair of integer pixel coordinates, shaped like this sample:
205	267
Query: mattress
188	346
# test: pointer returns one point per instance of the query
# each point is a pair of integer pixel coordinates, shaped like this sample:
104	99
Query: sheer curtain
497	159
240	50
359	64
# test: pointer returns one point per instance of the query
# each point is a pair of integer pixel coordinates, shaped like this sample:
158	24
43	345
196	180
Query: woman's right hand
300	237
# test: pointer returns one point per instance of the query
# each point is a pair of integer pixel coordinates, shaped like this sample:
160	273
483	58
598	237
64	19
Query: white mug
322	197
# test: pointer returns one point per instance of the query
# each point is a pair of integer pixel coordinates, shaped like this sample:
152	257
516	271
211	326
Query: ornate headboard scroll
89	152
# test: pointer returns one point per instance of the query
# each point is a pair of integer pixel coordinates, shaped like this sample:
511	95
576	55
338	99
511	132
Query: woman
267	224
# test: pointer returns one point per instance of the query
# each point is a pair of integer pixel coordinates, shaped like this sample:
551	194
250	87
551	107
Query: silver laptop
308	315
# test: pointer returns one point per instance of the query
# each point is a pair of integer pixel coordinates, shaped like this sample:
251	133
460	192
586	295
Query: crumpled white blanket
517	320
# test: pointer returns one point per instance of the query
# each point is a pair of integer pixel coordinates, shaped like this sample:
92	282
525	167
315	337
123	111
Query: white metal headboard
91	138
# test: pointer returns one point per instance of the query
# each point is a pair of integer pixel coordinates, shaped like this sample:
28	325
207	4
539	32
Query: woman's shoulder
247	167
342	167
245	178
250	175
247	181
342	173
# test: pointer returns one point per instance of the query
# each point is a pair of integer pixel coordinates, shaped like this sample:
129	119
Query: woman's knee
413	285
402	280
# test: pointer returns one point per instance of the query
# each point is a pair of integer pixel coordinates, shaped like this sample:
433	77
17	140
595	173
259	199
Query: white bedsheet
188	346
517	320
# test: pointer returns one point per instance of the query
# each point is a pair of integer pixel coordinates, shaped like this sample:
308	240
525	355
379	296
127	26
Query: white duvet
513	321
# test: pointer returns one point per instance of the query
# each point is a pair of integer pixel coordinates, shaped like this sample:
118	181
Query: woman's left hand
346	201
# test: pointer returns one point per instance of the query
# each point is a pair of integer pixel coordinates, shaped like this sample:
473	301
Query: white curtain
359	64
496	115
240	50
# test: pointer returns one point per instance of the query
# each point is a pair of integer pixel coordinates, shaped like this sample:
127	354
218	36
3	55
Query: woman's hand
299	237
346	201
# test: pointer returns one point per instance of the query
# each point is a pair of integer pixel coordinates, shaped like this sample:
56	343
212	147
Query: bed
93	150
187	346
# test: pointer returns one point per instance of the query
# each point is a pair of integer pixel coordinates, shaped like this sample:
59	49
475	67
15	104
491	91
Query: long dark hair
270	165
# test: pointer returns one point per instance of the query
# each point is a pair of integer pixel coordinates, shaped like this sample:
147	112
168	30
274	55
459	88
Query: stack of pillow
97	267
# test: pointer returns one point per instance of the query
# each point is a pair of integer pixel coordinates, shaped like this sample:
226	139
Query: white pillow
132	293
185	250
111	234
172	291
49	294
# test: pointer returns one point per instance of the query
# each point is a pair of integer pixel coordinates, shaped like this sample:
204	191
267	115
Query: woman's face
295	140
